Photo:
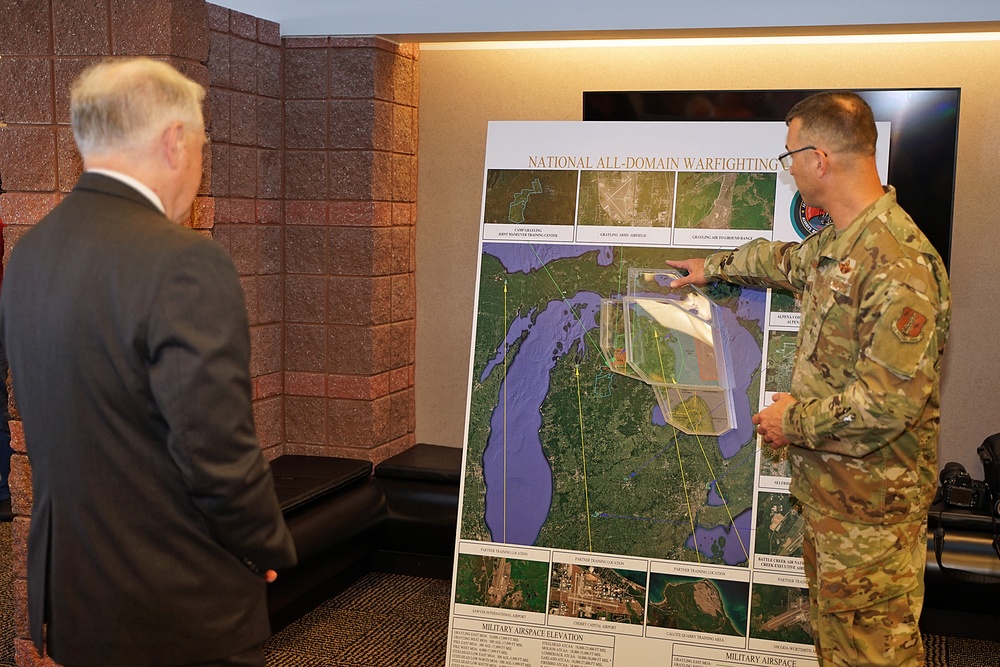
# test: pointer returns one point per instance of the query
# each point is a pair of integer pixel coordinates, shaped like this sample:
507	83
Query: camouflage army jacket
875	315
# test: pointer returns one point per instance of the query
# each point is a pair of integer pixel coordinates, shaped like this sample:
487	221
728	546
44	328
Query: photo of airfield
783	301
530	197
712	606
780	360
779	526
626	198
725	200
599	593
505	583
780	613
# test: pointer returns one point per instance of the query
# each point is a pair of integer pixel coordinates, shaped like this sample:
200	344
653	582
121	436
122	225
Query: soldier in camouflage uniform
861	422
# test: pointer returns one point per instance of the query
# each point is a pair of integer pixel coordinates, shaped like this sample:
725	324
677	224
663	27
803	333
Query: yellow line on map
687	499
725	503
659	358
583	454
711	471
505	411
677	446
621	266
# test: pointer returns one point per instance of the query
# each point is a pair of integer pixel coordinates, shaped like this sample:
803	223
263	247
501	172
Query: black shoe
5	513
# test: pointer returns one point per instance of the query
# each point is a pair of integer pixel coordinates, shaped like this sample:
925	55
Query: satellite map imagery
626	198
705	605
601	593
725	200
530	197
506	583
563	452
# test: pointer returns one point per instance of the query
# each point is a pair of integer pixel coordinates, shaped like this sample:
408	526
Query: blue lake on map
517	474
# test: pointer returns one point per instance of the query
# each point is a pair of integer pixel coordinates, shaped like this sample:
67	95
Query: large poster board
616	506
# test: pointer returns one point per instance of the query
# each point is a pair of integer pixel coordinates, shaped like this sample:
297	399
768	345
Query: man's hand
695	272
768	421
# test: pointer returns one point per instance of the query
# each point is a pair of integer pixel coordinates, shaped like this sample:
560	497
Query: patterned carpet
943	651
388	620
383	620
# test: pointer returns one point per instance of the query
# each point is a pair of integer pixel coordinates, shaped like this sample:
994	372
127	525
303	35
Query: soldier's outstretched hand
695	272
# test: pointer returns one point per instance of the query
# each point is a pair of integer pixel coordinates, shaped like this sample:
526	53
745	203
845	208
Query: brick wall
309	183
350	199
243	115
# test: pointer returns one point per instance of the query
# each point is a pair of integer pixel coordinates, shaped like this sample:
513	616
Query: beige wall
461	90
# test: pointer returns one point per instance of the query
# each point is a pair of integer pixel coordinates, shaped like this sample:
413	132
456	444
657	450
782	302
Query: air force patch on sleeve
910	325
902	350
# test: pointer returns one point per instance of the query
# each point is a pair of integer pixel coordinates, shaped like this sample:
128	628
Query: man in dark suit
155	526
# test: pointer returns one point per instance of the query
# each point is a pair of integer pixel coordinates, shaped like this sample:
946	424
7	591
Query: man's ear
172	144
822	163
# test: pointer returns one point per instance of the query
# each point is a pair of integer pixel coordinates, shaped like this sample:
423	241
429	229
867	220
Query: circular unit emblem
807	219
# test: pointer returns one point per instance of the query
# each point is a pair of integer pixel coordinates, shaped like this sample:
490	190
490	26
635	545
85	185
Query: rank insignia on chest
839	276
910	325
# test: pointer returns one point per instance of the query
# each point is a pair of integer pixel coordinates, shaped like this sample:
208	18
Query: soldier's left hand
768	421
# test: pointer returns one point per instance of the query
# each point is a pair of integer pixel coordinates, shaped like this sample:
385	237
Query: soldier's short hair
840	120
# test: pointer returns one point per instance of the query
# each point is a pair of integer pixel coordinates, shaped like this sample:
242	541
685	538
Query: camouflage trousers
866	589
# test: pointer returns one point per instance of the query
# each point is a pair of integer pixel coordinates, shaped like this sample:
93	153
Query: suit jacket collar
100	183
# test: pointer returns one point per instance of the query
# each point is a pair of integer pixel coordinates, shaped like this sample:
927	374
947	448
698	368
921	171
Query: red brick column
244	119
350	198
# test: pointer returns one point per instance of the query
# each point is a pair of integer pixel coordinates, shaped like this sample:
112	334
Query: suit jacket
154	512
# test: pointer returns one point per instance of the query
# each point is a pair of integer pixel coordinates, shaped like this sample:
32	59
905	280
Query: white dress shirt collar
131	182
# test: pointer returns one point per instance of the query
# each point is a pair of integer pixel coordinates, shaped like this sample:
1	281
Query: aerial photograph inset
713	606
599	593
774	462
530	197
779	526
780	360
725	200
783	301
506	583
626	198
780	613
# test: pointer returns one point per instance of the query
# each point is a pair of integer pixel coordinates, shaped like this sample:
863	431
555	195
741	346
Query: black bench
346	521
421	491
337	516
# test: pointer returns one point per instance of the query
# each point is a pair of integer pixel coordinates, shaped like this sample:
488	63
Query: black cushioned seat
431	463
421	488
301	479
337	515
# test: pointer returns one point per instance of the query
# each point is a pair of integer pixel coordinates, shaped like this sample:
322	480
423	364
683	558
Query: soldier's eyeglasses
786	158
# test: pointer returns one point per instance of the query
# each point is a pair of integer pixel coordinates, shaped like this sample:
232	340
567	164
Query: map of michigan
563	453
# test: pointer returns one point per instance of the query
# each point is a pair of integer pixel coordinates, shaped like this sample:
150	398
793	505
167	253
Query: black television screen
922	146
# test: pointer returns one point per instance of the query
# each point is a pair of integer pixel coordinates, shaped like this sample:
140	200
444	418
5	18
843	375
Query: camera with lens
958	489
989	455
